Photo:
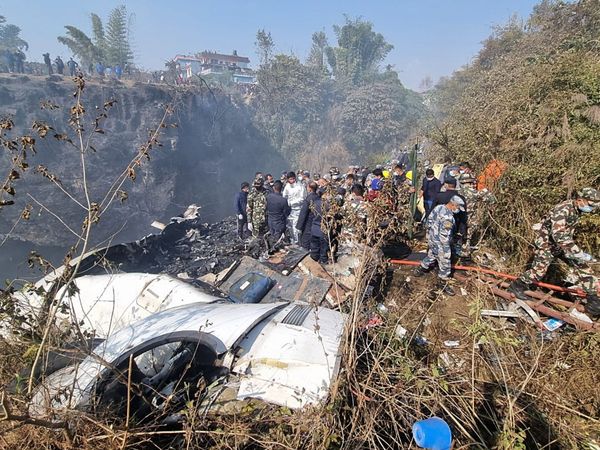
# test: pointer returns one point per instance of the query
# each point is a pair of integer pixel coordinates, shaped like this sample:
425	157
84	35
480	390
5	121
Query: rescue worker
294	193
475	199
256	208
278	211
461	219
306	216
241	202
554	239
440	225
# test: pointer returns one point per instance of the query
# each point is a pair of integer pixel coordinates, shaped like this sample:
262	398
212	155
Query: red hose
553	287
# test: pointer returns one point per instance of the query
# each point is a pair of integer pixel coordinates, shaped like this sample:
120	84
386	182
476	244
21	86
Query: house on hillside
217	65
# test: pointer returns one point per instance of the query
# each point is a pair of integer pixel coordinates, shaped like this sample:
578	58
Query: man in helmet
257	207
554	239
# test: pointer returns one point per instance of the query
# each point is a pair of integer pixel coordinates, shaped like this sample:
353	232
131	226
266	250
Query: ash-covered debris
186	247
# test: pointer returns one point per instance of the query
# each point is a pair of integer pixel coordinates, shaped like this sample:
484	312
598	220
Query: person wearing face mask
294	193
461	219
440	226
555	239
429	189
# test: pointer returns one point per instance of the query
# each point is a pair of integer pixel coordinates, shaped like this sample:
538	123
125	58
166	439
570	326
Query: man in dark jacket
241	201
278	211
319	244
307	216
429	190
461	218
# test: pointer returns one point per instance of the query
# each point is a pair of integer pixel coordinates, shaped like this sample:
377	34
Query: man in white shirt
294	193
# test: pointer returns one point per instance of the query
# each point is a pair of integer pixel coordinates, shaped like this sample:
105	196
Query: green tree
359	52
99	38
378	116
264	46
118	47
290	101
317	56
531	99
80	45
111	47
9	37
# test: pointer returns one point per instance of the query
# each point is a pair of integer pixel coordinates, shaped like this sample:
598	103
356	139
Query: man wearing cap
257	208
461	219
440	225
294	193
555	239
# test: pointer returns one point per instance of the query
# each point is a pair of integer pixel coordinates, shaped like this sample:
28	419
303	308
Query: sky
431	38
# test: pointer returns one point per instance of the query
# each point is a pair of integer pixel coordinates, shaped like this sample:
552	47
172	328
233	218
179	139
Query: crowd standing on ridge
316	212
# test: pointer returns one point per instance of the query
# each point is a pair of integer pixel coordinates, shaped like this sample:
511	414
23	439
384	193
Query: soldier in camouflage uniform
257	208
440	226
475	199
554	239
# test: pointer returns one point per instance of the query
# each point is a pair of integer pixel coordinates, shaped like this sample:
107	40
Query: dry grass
504	387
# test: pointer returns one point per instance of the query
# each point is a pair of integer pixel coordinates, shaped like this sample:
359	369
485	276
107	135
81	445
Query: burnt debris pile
185	248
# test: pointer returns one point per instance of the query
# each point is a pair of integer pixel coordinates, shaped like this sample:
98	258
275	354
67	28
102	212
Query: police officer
555	239
440	225
461	219
257	208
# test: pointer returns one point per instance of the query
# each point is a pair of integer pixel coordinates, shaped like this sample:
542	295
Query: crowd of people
314	212
13	61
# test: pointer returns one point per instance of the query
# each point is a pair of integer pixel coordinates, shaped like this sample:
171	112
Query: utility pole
415	182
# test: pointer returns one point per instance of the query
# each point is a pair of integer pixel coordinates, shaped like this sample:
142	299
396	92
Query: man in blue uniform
440	226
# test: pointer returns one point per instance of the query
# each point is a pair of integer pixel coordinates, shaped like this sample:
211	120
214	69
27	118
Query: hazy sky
430	37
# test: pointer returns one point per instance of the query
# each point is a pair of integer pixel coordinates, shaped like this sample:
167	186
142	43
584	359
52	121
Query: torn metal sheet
284	261
337	293
103	304
291	364
292	288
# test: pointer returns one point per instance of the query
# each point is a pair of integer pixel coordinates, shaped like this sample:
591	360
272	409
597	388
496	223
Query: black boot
419	271
444	287
518	288
592	307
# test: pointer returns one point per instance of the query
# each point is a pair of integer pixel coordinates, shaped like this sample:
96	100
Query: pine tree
118	49
99	37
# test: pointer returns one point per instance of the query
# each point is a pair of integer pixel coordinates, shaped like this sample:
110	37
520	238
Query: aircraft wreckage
178	316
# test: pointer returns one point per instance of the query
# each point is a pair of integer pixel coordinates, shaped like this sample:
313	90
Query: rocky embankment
203	159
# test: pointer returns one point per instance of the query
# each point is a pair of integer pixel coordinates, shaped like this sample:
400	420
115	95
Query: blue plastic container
433	434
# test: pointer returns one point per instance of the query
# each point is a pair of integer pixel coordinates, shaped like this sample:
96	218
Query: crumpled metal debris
186	247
